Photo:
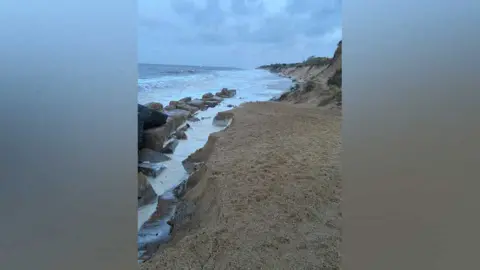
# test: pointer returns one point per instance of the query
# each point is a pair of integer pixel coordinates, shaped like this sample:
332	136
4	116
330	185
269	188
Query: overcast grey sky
240	33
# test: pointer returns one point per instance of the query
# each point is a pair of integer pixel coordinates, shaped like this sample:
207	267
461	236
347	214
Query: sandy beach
269	196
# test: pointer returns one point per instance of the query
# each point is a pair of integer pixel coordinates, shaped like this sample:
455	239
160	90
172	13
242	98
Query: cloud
236	32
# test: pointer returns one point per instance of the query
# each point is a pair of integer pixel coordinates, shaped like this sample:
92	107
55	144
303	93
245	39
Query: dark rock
185	99
147	119
207	96
173	103
170	147
179	113
186	107
145	192
206	117
230	106
141	141
211	103
215	98
150	118
197	103
157	106
151	156
151	169
155	138
222	119
225	93
169	108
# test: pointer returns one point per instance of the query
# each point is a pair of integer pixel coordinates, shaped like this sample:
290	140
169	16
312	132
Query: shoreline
159	216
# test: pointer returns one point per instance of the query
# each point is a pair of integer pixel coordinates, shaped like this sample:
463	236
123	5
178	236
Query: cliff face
334	71
318	81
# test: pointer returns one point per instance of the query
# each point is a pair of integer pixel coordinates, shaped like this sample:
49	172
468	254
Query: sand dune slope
270	197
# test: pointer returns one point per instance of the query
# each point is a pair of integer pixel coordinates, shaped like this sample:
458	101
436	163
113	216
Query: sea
164	83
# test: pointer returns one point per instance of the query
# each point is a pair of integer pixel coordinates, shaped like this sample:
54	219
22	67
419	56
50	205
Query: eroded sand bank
269	197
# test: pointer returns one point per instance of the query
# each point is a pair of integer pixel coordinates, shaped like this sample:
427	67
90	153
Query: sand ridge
270	196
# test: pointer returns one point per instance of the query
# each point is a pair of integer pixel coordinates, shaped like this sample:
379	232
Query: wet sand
269	197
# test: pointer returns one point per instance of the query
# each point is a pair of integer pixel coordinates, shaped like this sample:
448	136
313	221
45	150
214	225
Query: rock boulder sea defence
200	104
187	107
148	155
151	118
215	98
148	119
146	194
151	169
222	119
226	93
157	106
155	138
207	96
185	99
211	103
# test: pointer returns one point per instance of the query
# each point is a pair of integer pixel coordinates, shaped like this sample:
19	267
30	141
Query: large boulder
211	103
186	107
222	119
150	118
157	106
155	139
147	119
169	108
197	103
226	93
179	115
148	155
151	169
173	103
185	99
207	96
214	98
145	192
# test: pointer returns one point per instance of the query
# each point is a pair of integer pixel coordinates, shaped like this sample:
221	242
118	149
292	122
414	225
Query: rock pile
159	129
226	93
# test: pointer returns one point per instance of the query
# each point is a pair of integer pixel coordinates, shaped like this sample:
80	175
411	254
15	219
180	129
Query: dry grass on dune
270	198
